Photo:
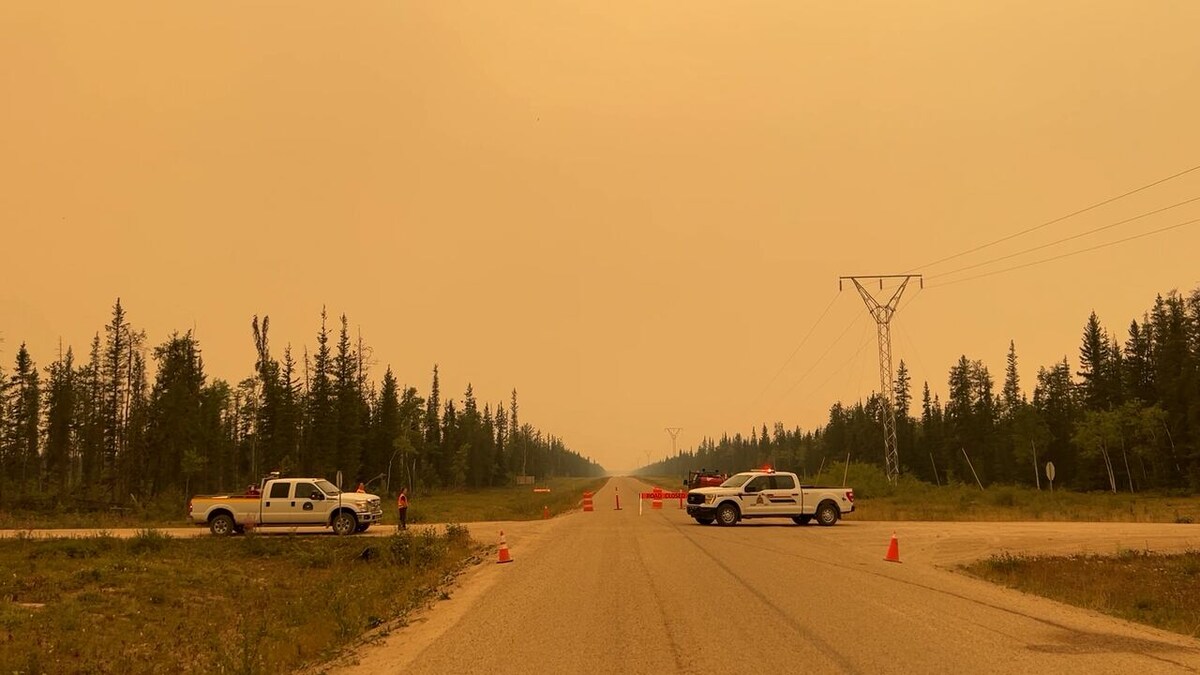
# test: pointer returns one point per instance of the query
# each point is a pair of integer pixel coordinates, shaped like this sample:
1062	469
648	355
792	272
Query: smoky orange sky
632	212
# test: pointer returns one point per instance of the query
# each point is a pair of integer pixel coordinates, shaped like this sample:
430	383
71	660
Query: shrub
401	547
429	550
1005	495
149	541
457	534
1006	563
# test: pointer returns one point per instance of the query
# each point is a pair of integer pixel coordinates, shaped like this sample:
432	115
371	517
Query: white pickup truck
292	502
768	494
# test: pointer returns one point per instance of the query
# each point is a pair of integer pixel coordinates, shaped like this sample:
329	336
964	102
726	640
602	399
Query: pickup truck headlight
708	499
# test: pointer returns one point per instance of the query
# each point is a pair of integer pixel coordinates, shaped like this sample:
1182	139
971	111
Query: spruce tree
350	403
385	434
117	352
432	456
22	428
290	422
1011	393
319	456
60	422
1094	366
91	419
1138	376
176	423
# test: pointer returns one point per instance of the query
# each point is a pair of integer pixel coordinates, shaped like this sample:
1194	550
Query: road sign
339	480
1050	470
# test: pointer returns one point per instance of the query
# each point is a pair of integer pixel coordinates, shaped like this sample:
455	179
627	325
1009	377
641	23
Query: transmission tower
883	313
674	431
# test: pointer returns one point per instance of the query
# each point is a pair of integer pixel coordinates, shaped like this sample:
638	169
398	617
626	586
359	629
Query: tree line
104	430
1127	419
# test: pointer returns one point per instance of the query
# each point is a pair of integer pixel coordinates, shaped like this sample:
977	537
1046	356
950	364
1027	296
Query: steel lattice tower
883	313
674	431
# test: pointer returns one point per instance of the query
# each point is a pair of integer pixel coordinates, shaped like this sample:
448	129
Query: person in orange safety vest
360	488
402	509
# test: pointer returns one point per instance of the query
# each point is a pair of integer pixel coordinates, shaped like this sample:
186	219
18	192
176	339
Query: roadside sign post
1050	474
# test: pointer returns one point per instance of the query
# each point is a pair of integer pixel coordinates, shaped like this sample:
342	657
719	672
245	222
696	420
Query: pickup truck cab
768	494
287	502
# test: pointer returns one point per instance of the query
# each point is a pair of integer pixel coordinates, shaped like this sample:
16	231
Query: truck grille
695	498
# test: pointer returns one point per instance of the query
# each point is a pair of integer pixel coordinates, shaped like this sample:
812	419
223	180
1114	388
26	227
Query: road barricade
657	496
587	502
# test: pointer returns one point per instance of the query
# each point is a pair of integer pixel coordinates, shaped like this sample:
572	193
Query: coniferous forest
132	422
1126	418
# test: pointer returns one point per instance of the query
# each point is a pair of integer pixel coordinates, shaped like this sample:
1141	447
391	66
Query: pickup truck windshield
328	488
736	481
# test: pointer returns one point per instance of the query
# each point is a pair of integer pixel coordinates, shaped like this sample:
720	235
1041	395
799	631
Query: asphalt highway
617	592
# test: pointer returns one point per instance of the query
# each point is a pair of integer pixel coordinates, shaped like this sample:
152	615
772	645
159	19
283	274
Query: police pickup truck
768	494
288	502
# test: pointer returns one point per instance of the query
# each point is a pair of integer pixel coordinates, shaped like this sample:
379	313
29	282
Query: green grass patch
252	604
502	503
1161	590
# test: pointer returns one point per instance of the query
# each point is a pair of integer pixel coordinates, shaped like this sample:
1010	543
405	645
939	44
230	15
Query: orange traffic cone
545	512
893	554
504	556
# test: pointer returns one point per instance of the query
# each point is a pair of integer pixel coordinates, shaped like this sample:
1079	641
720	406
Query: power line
1067	255
866	339
1065	239
1059	219
856	319
795	351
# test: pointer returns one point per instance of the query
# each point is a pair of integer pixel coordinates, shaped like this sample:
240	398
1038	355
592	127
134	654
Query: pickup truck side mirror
316	496
752	488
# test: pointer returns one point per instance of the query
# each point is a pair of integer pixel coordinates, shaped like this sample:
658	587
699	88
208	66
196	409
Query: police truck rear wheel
344	524
827	514
727	514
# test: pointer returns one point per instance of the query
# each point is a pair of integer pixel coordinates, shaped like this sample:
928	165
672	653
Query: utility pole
674	431
883	313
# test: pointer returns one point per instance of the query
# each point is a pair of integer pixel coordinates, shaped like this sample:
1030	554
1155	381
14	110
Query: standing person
402	509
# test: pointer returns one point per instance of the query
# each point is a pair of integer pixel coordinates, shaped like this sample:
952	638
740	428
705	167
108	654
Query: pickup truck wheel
704	520
727	514
801	520
221	525
344	524
827	514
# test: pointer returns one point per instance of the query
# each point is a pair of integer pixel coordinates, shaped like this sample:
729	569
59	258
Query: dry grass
253	604
1011	504
1159	590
